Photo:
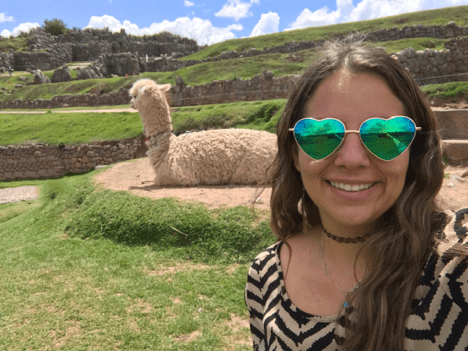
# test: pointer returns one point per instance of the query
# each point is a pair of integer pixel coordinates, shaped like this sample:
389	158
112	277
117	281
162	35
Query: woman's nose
352	153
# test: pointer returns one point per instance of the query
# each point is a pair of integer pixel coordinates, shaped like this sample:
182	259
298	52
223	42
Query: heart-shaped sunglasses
384	138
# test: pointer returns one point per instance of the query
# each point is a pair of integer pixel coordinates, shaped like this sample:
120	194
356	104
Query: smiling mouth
349	187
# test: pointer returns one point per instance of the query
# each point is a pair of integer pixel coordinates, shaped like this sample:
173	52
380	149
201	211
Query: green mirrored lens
387	138
318	139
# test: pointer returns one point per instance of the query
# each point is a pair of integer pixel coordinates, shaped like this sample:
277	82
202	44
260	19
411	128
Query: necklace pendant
345	304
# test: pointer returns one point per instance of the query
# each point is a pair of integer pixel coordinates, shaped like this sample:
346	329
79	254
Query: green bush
55	26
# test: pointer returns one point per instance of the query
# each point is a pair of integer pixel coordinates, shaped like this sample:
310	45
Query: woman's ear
295	155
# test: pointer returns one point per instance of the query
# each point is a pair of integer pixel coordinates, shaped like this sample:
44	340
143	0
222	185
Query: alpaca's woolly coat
226	156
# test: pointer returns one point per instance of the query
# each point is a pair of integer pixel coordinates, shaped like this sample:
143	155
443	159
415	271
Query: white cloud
4	18
269	23
188	3
23	27
323	16
236	9
364	10
196	28
369	9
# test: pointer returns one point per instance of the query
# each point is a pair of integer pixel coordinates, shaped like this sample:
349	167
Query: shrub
55	26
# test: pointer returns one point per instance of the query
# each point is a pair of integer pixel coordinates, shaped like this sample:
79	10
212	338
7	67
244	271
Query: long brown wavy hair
406	234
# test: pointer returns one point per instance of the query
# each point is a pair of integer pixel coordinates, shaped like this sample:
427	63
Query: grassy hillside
193	75
16	87
458	14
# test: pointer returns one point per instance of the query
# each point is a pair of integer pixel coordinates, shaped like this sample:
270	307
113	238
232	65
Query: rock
61	75
179	81
123	64
267	75
41	78
86	73
22	78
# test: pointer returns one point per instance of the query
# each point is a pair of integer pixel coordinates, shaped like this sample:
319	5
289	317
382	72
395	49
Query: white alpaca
214	157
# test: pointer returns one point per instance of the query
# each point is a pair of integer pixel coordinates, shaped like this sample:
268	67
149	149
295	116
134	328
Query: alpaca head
150	101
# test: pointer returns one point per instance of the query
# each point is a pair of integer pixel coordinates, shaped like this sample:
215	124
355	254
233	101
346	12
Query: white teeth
348	187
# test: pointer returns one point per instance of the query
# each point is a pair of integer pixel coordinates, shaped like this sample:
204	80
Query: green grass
69	128
11	210
202	73
260	115
458	14
19	43
8	91
76	128
92	269
394	46
74	108
449	91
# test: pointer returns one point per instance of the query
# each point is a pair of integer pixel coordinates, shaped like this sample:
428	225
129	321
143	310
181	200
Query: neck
347	241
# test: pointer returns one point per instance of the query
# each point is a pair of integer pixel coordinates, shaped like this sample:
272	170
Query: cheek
307	166
396	171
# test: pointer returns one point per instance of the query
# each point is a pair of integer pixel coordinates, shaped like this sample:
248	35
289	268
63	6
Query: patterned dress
438	321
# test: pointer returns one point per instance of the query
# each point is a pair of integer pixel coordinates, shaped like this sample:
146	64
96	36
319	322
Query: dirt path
22	193
137	176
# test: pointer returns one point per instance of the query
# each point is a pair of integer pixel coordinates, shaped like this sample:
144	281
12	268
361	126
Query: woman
361	263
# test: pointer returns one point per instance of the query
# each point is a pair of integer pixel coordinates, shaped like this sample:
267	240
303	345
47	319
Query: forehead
353	97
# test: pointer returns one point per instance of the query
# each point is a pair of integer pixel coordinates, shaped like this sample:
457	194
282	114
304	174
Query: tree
55	26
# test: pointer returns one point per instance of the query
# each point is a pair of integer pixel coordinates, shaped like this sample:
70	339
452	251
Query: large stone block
61	75
453	124
41	78
456	151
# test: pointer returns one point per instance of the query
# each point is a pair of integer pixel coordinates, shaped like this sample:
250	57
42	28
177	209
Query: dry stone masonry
451	30
428	66
49	52
260	87
52	161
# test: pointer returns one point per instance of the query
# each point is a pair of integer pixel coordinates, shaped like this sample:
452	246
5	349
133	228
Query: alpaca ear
147	90
164	87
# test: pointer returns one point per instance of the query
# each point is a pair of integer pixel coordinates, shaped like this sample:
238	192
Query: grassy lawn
69	128
84	268
84	127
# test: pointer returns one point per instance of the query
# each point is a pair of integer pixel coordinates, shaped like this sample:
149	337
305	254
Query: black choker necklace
347	240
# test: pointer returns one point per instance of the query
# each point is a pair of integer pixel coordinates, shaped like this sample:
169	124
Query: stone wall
42	60
120	64
52	161
431	66
49	52
448	31
7	60
89	44
260	87
428	66
120	97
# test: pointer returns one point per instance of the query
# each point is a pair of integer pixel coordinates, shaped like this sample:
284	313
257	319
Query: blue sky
207	21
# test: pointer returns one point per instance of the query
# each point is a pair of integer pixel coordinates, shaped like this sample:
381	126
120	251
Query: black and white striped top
439	320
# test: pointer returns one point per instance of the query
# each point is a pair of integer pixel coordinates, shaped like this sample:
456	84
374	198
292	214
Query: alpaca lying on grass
214	157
